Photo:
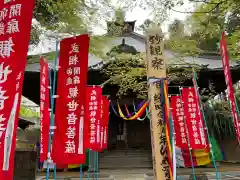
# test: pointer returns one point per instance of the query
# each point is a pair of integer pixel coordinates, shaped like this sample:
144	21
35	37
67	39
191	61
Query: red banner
101	126
15	26
194	123
68	140
93	115
203	131
106	104
44	108
181	136
228	80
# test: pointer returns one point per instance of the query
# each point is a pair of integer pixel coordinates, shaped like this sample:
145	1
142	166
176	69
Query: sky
140	15
137	14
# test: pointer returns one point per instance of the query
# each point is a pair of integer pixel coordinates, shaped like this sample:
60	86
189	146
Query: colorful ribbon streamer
137	114
166	115
130	114
141	119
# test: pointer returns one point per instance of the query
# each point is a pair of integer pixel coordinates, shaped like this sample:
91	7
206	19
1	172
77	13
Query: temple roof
136	41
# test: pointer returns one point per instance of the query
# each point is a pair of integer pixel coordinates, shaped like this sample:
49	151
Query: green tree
179	41
128	72
209	20
119	15
176	29
145	24
65	16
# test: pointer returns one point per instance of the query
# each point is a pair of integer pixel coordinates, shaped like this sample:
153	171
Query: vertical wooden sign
156	70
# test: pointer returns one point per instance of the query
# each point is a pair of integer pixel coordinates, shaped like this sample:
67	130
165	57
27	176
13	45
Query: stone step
125	158
126	163
85	177
119	166
126	154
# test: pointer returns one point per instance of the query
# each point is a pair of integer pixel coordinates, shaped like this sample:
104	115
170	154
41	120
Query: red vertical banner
203	131
15	23
68	140
106	104
44	108
228	80
101	126
194	122
181	136
93	115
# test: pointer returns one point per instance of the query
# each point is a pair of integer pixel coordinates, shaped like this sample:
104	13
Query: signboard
156	64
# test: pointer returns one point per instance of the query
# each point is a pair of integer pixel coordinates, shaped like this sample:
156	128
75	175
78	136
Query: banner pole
205	124
188	139
94	164
97	165
237	108
172	134
175	160
89	164
52	92
81	172
49	143
55	171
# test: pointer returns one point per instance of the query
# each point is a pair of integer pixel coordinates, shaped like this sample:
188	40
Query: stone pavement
210	175
128	176
227	172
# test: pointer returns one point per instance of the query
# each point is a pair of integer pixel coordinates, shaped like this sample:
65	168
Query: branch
202	1
108	81
199	12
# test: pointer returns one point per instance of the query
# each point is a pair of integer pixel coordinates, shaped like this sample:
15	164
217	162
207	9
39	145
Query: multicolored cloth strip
166	116
136	115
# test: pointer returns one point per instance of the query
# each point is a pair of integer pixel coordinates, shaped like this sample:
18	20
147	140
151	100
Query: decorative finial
123	41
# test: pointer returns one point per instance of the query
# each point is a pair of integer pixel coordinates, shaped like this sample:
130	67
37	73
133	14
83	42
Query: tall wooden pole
156	70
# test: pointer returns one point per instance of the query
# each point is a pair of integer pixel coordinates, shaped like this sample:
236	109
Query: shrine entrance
129	145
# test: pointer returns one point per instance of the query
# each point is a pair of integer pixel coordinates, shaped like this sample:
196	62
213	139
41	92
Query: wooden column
156	70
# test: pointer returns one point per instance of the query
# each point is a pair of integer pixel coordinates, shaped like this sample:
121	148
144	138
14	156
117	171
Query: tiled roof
137	40
93	63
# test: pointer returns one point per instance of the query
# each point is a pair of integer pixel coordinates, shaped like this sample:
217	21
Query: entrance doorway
130	146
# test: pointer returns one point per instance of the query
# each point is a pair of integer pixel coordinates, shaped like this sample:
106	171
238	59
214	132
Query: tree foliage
219	116
66	16
129	73
206	23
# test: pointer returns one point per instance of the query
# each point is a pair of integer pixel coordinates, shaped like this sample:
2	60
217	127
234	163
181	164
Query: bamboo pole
156	70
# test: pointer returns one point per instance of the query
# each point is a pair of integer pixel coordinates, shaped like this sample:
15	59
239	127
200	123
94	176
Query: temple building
129	142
